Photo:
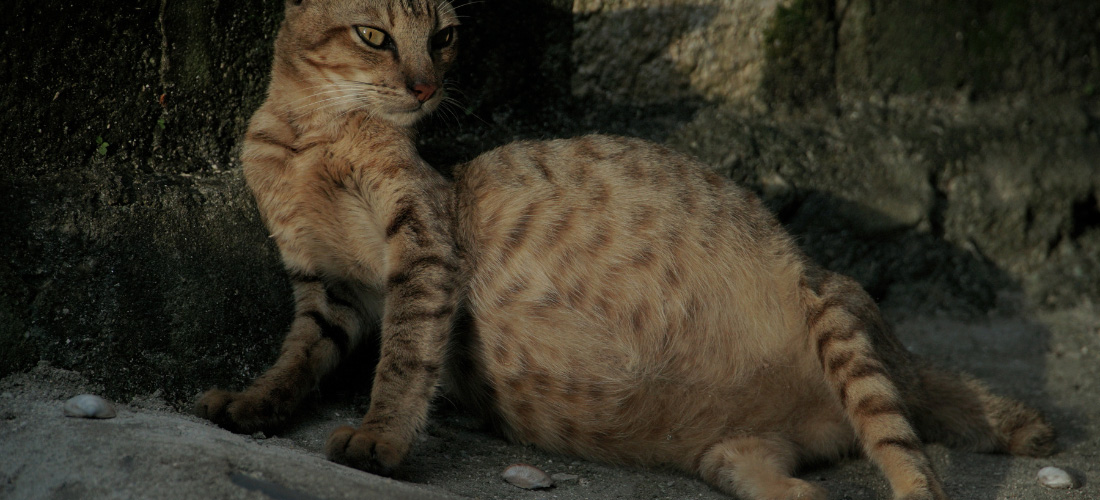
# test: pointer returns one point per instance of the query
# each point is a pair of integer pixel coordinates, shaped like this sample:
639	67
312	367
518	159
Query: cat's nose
423	91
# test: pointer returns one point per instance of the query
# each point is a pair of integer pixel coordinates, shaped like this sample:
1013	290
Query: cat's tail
960	411
863	363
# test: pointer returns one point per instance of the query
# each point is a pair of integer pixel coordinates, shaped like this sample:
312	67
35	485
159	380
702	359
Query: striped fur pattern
601	296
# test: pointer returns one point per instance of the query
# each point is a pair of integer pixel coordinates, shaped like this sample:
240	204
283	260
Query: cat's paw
1032	439
236	412
365	450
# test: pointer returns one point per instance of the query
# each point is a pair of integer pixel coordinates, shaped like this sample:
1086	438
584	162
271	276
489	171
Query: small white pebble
89	406
1053	477
526	477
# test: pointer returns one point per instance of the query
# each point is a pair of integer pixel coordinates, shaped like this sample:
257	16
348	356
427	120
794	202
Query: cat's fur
602	297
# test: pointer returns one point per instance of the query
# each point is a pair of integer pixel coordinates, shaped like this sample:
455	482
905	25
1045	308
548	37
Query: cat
603	297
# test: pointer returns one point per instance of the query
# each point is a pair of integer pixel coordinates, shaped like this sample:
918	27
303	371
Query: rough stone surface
562	477
670	50
982	47
146	453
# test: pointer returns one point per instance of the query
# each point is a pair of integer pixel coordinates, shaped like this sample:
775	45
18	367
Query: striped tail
854	347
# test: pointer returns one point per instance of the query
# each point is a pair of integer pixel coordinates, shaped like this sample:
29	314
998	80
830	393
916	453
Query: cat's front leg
326	327
420	303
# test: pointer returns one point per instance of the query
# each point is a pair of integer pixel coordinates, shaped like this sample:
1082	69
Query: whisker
328	88
465	110
324	104
466	4
348	111
318	99
346	92
328	92
371	111
444	111
451	87
319	83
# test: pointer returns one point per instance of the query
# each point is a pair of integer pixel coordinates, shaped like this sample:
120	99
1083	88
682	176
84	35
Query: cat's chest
332	226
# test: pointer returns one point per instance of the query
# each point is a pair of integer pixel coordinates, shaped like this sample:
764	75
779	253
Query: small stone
526	477
89	406
562	477
1053	477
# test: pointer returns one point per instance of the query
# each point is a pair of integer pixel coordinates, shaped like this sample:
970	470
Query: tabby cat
602	297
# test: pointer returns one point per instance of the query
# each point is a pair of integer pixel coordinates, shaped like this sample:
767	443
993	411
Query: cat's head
386	58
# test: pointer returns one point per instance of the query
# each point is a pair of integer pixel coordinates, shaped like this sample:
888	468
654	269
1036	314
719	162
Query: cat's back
568	185
620	205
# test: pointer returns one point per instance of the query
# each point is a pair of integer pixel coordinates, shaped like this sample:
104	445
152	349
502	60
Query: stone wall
744	52
646	51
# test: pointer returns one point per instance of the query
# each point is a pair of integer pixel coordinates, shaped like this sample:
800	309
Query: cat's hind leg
757	468
325	328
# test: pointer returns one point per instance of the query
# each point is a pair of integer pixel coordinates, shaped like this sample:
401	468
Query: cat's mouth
407	114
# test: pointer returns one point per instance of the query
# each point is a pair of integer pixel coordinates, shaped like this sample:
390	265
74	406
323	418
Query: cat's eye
444	38
372	36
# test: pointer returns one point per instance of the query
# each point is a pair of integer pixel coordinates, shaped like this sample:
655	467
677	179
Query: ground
1049	359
